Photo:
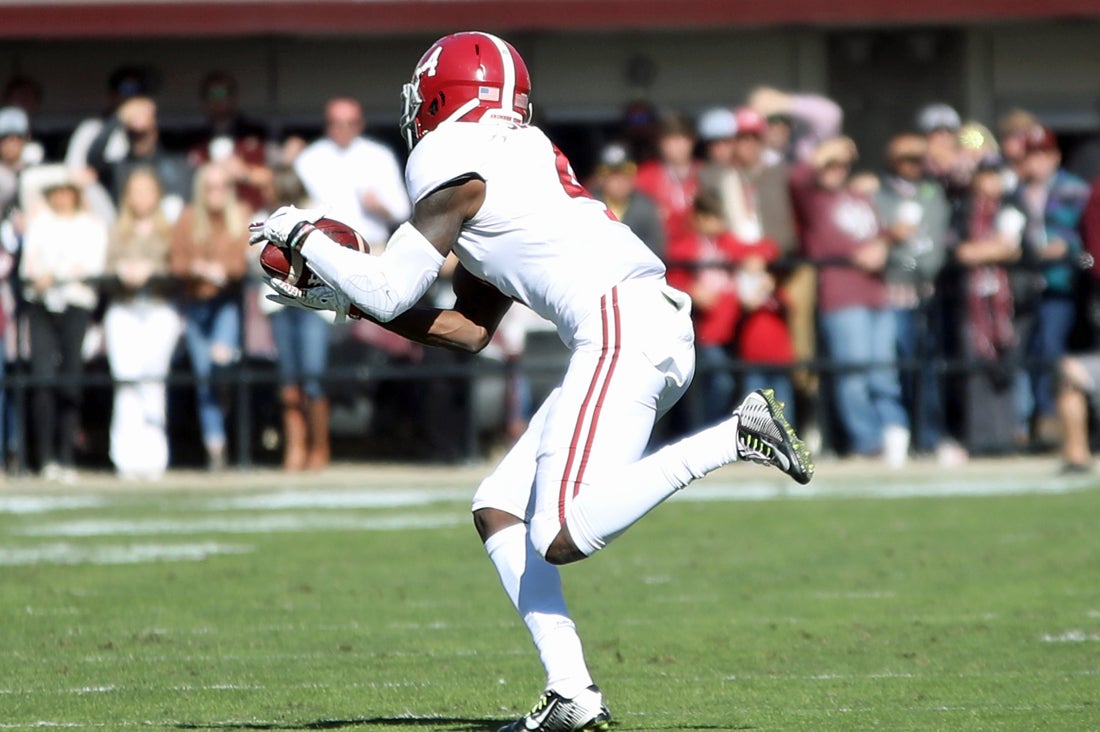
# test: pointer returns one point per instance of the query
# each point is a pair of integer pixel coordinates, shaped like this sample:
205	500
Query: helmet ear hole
433	108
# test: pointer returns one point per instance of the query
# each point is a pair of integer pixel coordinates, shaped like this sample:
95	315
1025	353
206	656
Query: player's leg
532	584
592	483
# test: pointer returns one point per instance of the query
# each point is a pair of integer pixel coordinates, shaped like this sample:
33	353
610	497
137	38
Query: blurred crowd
924	309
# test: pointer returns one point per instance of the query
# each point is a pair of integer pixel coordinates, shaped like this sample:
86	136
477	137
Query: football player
492	188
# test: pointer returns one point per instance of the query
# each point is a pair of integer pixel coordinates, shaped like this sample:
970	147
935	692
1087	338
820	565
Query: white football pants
633	358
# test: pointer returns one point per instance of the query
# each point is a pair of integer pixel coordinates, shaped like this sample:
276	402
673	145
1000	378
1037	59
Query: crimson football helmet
467	77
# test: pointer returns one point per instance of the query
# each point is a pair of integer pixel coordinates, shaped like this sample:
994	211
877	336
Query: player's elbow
476	342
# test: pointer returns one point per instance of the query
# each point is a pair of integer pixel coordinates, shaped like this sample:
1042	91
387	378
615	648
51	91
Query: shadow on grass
458	724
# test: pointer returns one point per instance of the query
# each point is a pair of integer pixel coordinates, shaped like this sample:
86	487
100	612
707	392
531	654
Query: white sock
614	503
534	587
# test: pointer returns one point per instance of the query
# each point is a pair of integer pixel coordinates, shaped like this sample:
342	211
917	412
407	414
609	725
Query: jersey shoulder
450	151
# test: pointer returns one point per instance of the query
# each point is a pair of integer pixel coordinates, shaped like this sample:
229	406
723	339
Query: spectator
944	161
124	83
232	139
762	340
1012	132
209	254
1053	201
701	264
1077	392
25	93
1090	242
915	212
142	329
9	249
356	178
985	239
65	247
842	235
137	117
616	184
976	143
716	129
14	136
641	128
302	345
796	123
757	204
672	180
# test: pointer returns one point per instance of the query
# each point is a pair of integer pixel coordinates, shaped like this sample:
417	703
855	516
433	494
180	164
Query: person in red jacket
701	263
672	180
734	303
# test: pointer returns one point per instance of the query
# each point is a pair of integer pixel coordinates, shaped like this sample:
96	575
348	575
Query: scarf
989	296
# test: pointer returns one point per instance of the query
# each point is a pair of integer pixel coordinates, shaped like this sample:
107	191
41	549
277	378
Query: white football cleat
586	712
765	436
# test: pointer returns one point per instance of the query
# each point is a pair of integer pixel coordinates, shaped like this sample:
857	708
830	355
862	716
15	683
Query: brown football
290	265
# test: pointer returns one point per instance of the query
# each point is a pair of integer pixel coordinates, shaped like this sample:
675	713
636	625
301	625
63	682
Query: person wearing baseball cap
616	184
944	161
14	130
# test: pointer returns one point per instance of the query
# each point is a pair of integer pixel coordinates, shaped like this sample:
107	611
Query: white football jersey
538	237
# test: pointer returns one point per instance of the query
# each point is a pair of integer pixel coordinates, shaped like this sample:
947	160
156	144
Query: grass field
363	600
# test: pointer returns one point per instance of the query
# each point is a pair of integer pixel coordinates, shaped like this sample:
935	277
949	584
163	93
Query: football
290	265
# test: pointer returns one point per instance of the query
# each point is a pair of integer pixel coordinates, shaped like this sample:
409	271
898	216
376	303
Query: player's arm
468	326
386	286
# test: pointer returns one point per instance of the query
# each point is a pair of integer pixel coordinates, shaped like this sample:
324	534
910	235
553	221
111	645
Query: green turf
817	614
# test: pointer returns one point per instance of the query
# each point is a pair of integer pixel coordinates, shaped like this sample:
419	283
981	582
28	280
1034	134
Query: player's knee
558	547
489	521
562	550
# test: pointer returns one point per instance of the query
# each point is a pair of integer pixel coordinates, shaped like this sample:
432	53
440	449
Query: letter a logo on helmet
465	77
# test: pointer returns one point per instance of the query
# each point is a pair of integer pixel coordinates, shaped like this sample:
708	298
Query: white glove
287	227
321	297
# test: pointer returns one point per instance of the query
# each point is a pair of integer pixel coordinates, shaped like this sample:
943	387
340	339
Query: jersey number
569	182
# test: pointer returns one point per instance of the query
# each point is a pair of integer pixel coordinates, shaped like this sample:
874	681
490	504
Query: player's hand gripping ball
284	263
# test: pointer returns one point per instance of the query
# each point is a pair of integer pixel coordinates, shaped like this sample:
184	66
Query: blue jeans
213	329
715	385
1048	344
916	342
866	400
301	337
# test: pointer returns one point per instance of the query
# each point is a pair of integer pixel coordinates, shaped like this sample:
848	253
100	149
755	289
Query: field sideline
361	599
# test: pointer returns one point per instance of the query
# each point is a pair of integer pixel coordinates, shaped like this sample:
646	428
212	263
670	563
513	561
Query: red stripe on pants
603	389
579	428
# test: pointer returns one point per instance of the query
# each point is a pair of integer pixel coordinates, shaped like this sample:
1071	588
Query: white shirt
337	178
538	237
70	249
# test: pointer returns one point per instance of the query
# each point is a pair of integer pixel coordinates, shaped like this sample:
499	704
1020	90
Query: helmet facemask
410	107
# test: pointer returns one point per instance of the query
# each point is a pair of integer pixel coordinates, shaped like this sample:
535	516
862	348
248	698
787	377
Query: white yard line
267	523
64	553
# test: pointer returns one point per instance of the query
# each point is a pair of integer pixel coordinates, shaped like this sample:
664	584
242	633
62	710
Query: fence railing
246	380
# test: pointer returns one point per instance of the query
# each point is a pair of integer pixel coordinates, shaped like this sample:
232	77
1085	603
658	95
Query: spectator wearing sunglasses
231	138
